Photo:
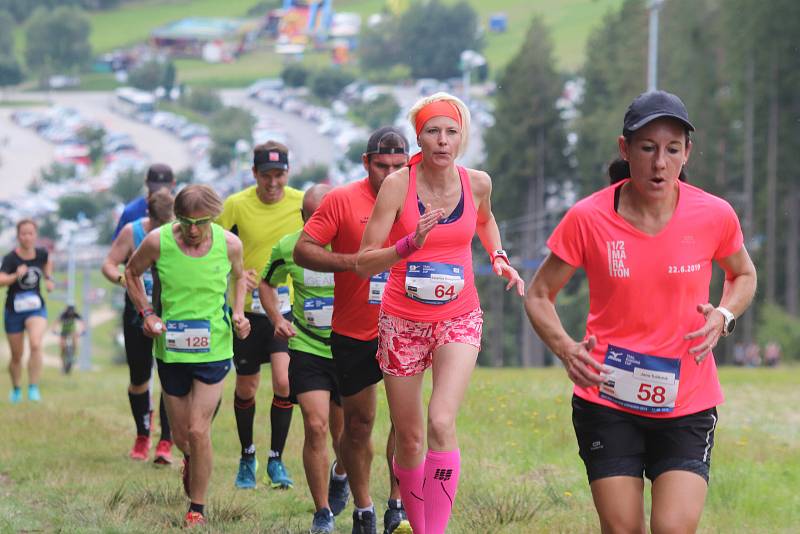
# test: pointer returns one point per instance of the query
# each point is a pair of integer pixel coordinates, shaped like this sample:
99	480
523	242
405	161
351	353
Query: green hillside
570	21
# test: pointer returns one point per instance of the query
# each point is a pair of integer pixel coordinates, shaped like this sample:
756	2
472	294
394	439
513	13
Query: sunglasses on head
188	221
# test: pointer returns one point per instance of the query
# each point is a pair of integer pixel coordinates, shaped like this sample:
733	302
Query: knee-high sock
441	483
411	482
140	408
280	417
166	434
245	411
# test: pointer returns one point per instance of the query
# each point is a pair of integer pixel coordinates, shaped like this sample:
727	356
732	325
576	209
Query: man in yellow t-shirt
261	215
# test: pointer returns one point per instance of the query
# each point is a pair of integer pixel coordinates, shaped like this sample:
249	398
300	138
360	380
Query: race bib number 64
641	382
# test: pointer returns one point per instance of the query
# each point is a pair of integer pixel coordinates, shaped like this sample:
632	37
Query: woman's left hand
711	331
50	285
501	268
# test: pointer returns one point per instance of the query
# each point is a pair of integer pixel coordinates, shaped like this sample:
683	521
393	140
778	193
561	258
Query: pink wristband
406	246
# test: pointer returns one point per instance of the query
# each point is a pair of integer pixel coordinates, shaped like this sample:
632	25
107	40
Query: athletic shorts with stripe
617	443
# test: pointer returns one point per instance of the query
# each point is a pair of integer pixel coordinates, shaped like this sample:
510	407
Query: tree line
736	66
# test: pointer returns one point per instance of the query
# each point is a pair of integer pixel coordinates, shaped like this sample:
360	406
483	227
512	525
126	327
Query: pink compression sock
411	482
441	483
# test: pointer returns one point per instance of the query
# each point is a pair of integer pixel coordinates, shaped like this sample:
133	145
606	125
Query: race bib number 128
189	336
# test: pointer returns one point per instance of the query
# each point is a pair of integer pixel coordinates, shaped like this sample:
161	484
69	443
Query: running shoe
15	396
364	522
246	477
34	394
194	519
163	452
338	493
322	522
395	521
141	448
185	477
278	477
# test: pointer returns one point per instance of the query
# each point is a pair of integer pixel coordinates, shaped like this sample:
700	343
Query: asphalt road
26	153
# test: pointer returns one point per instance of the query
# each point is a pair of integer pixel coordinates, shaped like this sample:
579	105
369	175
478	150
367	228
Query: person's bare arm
269	301
737	294
142	259
488	232
235	255
373	257
540	300
48	274
121	248
313	255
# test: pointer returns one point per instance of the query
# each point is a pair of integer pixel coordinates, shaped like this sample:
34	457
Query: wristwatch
730	321
499	254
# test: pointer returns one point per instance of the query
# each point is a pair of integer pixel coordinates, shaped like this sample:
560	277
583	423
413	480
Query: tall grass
64	466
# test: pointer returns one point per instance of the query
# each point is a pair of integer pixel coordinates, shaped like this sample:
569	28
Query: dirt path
51	357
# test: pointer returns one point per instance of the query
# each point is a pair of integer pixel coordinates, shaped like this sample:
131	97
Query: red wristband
499	254
147	312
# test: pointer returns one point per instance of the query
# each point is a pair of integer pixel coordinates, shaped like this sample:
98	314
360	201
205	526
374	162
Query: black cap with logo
653	105
159	175
270	158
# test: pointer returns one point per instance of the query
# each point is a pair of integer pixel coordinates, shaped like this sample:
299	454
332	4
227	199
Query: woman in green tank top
190	323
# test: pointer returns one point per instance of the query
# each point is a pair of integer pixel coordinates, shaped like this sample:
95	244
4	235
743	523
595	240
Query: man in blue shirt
158	175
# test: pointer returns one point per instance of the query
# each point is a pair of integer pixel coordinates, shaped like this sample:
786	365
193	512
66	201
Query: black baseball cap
159	175
653	105
270	158
379	142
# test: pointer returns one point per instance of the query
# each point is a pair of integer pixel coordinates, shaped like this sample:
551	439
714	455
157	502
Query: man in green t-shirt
312	374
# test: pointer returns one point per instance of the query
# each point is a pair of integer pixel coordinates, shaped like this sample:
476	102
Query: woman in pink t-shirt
430	313
645	389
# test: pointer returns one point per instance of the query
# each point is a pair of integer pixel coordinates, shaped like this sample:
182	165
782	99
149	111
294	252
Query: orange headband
440	108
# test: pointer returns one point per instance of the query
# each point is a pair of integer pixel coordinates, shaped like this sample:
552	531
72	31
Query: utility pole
652	49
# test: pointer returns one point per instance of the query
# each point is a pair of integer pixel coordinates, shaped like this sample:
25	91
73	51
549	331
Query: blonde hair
462	109
159	206
198	197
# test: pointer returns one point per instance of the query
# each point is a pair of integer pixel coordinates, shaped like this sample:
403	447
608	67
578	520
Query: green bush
379	112
314	173
327	83
202	100
774	324
294	75
228	125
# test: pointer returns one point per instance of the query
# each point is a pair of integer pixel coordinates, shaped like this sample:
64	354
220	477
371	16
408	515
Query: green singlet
313	298
190	299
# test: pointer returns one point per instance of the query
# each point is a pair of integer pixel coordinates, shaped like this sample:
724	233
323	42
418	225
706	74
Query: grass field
570	21
63	464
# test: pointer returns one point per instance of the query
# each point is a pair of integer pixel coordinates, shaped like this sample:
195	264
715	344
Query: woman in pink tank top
430	312
646	386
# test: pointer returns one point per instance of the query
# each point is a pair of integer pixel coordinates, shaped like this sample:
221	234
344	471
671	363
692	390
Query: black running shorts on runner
177	378
356	365
616	443
253	351
309	372
138	352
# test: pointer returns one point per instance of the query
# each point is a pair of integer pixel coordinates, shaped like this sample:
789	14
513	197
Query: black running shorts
617	443
309	372
253	351
356	365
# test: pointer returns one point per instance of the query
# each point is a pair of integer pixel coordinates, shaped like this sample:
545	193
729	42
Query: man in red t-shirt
340	222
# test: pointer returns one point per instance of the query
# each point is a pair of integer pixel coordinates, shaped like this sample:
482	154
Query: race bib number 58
641	382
